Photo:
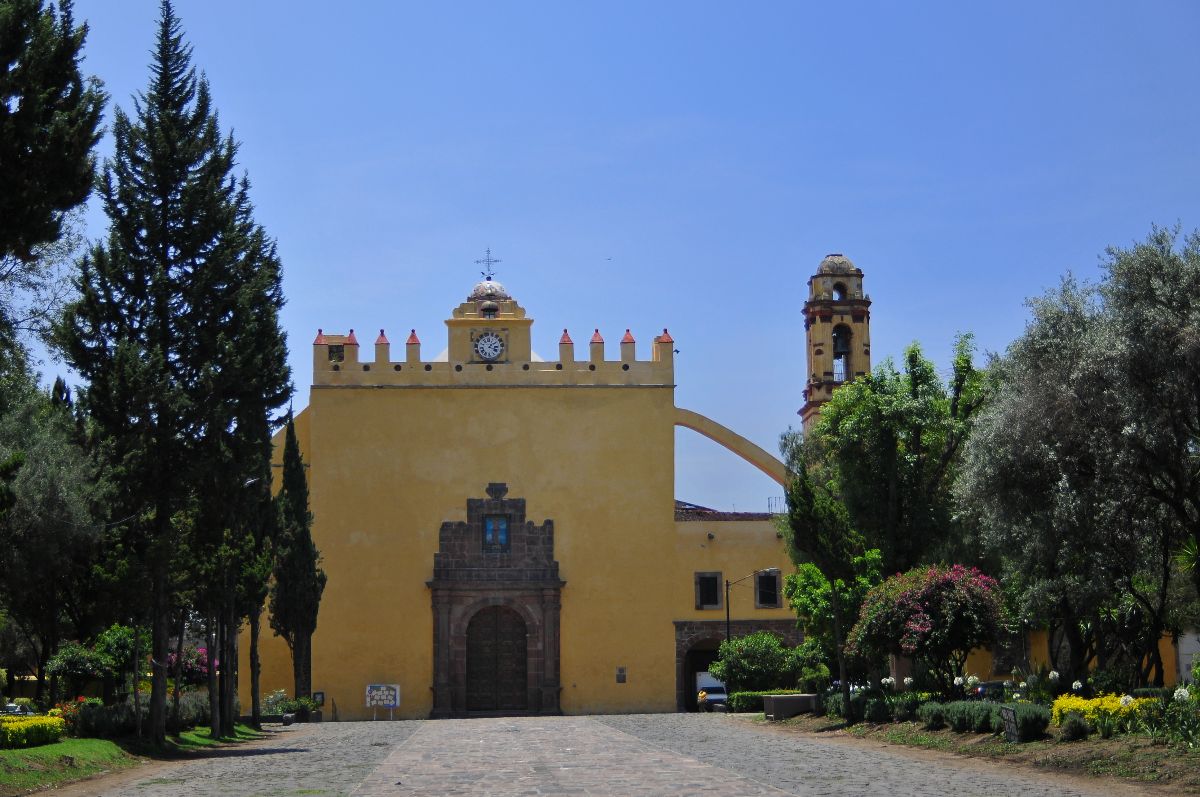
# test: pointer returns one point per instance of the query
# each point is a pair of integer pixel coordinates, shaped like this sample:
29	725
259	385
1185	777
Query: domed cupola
488	289
836	263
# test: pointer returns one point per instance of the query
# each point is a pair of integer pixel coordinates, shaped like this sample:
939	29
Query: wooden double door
497	660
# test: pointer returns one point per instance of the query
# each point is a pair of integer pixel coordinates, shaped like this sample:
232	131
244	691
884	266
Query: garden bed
1131	757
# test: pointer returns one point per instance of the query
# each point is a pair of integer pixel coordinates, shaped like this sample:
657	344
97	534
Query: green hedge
972	716
119	719
1032	721
31	732
835	707
981	716
753	701
932	715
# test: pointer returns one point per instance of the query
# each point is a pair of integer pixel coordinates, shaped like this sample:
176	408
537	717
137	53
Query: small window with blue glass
495	533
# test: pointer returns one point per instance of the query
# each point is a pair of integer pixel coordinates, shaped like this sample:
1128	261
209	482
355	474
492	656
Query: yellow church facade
500	533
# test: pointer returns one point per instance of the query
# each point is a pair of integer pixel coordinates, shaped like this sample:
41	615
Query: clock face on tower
489	346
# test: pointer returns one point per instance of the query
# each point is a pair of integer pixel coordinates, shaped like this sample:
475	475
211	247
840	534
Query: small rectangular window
708	590
767	594
337	353
495	533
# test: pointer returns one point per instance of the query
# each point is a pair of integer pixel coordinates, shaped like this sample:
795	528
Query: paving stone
650	754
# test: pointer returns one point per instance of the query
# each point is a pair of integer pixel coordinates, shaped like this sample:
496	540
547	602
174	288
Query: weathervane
487	262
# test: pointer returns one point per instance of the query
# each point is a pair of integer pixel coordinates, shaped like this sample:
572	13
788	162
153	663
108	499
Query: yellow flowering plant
1097	710
19	732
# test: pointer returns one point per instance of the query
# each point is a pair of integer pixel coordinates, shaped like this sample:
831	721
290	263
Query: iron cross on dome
487	261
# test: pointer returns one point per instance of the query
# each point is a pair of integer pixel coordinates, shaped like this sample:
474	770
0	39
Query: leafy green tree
818	531
299	579
1048	479
937	615
1151	293
49	124
78	664
118	645
808	593
891	440
756	662
164	335
49	534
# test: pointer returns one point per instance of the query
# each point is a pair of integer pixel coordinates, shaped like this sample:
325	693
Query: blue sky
687	165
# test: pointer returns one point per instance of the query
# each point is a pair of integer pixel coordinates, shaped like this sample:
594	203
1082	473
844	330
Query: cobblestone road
660	754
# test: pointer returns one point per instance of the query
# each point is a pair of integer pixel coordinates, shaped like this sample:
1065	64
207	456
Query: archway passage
496	659
698	660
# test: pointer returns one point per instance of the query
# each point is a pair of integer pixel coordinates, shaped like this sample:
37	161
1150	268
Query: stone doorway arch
497	568
698	635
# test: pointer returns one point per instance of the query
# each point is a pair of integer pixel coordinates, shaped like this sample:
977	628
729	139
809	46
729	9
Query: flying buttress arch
733	441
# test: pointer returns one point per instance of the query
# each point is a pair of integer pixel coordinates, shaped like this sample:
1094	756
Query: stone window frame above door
716	576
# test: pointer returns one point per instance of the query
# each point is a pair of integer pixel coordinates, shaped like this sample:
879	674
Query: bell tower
837	325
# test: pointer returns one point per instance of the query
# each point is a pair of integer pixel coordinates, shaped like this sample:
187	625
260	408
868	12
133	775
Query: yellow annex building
500	533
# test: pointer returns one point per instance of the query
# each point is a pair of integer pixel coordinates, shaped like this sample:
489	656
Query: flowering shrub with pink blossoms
935	615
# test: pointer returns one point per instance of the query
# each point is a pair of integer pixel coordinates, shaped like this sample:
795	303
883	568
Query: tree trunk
301	664
40	692
836	605
229	669
255	671
160	634
214	703
1077	668
137	680
176	723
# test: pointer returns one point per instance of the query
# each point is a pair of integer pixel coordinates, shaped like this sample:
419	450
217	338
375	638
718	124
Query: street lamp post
729	584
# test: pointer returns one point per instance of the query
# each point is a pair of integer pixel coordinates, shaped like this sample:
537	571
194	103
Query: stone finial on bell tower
837	324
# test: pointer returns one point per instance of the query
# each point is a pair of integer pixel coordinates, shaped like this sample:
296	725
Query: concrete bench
780	707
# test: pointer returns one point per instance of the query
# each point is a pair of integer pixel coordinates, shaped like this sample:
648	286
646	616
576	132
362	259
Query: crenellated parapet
489	343
336	362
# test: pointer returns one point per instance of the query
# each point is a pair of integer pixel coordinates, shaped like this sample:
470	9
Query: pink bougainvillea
936	615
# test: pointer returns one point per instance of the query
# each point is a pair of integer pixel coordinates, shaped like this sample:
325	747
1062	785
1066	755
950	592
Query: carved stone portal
496	604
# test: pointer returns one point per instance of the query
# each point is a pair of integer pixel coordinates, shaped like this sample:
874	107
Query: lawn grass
75	759
59	763
199	738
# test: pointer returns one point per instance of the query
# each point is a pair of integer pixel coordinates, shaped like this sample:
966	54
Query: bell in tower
837	325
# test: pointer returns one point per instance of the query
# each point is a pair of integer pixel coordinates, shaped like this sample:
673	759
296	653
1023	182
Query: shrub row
91	719
753	701
977	716
31	731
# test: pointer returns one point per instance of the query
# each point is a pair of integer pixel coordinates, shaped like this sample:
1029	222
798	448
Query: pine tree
177	335
299	579
49	123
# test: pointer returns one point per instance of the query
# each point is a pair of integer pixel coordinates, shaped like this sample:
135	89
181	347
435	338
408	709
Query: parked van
715	689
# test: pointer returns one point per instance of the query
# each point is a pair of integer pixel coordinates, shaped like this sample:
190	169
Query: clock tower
489	327
837	325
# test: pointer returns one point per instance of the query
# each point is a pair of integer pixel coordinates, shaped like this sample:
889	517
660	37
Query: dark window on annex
708	590
495	533
767	593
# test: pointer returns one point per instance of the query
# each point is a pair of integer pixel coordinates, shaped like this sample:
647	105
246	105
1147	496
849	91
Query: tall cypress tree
177	335
299	579
49	123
